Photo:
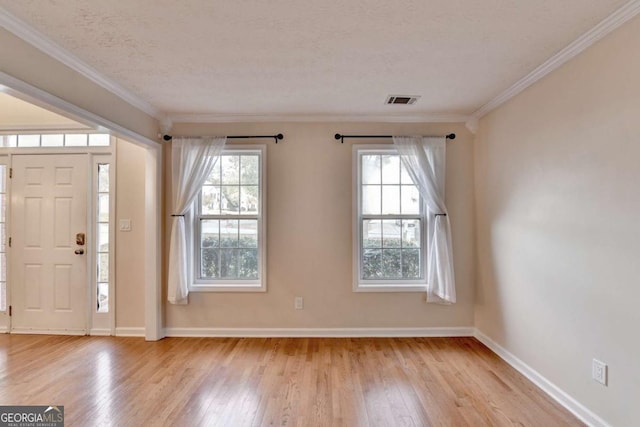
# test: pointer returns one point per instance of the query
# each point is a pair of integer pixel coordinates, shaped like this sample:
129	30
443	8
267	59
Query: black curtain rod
342	137
275	137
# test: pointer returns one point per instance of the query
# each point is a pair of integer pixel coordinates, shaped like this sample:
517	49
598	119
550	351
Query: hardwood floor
105	381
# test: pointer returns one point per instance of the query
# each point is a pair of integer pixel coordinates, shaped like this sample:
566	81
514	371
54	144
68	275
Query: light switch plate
125	225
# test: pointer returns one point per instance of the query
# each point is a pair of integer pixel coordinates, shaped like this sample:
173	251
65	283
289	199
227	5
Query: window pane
371	199
3	178
103	237
230	200
410	233
390	199
3	293
404	175
411	263
391	169
103	267
230	170
248	259
103	297
103	207
250	170
214	176
3	237
248	233
392	263
410	200
371	233
210	200
103	178
249	200
371	169
3	207
53	140
210	234
75	140
229	247
9	140
99	139
229	263
3	270
372	264
28	140
391	236
209	263
229	233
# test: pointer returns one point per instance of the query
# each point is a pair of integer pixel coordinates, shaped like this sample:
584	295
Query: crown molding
38	40
604	28
260	118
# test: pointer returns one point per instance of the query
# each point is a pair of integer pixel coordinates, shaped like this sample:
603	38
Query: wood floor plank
110	381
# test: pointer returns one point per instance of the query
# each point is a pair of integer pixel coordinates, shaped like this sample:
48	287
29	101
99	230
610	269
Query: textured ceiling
333	57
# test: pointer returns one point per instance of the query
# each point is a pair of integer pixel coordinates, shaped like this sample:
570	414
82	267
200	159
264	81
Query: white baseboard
560	396
129	332
4	329
19	331
100	332
319	332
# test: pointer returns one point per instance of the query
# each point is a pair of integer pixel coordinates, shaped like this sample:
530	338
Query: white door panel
49	208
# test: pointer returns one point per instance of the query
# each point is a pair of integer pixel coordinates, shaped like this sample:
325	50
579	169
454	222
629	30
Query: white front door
48	256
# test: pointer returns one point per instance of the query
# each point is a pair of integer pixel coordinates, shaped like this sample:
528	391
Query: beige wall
130	246
558	190
18	114
309	237
24	62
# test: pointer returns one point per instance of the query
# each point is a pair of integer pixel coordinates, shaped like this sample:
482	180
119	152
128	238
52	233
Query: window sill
228	287
386	287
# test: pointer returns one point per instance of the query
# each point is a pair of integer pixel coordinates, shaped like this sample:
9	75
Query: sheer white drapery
424	159
192	160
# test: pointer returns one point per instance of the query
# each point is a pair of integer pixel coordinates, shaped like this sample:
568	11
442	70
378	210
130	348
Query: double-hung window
389	223
229	224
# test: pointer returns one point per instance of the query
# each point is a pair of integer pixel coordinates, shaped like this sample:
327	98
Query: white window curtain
424	159
192	160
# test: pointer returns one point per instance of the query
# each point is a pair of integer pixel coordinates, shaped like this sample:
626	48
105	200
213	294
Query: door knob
79	251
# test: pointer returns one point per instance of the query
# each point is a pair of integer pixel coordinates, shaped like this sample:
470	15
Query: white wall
558	204
309	236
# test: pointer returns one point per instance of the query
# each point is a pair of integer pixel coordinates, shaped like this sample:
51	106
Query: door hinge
10	172
9	241
9	311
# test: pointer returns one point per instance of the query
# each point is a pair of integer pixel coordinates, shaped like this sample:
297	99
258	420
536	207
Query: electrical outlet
298	303
599	372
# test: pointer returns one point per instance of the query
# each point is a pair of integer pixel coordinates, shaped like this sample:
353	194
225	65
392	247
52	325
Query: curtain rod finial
451	136
167	137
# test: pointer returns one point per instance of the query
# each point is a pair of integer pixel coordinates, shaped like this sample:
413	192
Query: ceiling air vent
402	99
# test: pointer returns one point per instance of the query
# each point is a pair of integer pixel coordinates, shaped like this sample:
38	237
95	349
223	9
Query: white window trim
227	285
384	285
103	321
4	314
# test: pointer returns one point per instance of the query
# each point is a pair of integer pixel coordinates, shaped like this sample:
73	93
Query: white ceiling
327	57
